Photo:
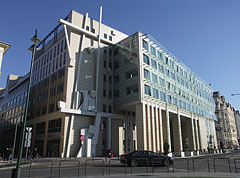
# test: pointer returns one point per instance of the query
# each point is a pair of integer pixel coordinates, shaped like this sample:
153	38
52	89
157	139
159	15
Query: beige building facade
95	88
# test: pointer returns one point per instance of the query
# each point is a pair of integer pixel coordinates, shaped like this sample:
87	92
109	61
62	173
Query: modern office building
226	128
12	108
3	48
95	88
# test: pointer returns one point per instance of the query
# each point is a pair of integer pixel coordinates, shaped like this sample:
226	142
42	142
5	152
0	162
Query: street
219	163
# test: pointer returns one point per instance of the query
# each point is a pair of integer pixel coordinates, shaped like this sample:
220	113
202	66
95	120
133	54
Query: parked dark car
141	157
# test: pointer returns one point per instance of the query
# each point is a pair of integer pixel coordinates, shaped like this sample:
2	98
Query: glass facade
126	71
177	85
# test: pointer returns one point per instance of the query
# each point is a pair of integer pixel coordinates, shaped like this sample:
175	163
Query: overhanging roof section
5	46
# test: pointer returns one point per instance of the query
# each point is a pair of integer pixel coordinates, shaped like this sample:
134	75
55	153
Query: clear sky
203	34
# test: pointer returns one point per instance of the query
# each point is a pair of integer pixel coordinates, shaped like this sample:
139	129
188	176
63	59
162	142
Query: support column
193	133
180	132
199	133
197	136
144	128
153	117
161	130
149	127
157	129
168	128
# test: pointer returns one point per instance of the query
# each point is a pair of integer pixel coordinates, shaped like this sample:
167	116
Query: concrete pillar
149	127
157	129
197	136
153	118
199	133
179	130
193	133
168	128
160	129
143	144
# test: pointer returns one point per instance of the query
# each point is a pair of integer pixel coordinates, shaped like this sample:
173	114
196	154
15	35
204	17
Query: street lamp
235	94
16	172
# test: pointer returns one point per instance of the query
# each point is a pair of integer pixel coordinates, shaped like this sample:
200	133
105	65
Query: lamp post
235	94
16	172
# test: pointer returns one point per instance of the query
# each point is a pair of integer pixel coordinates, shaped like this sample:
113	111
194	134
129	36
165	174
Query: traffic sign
82	138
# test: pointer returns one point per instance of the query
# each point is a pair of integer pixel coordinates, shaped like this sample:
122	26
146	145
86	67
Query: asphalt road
209	164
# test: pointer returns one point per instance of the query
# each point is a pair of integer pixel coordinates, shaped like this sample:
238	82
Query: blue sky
203	34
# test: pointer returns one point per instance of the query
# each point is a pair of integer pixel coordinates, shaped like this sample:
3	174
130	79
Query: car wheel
134	163
166	163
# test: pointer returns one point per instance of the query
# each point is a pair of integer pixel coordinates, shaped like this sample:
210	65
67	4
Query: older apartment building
226	126
96	88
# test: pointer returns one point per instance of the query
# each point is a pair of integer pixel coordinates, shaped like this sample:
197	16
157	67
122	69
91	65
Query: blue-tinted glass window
180	103
173	75
154	64
161	81
147	90
147	74
169	99
162	96
146	59
174	101
155	93
160	68
167	72
166	60
184	105
154	78
159	55
153	51
145	44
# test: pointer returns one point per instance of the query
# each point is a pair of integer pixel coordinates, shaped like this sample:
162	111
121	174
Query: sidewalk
202	175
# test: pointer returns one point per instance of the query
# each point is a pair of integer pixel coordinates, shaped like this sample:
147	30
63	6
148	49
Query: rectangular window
147	74
116	65
105	35
153	51
104	108
161	81
154	64
116	79
60	62
54	52
92	30
160	68
132	73
131	89
64	59
116	93
57	63
147	90
159	55
62	46
155	93
145	44
110	80
162	96
54	125
154	78
169	99
146	59
110	38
